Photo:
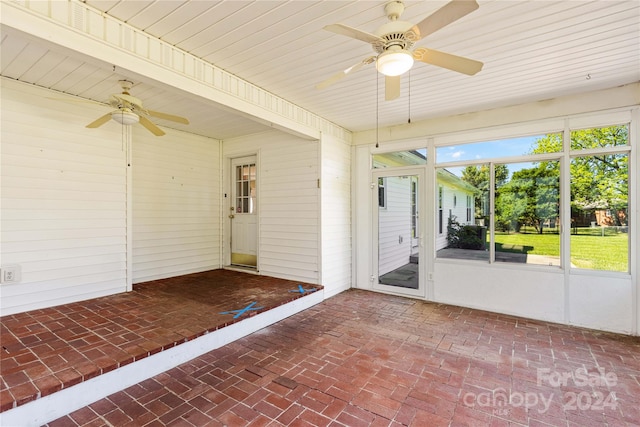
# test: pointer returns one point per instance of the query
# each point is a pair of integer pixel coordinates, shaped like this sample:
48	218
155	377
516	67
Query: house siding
457	211
394	226
288	202
63	201
335	187
176	204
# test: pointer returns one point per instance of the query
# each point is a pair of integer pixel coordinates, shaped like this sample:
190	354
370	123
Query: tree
478	176
531	197
511	204
598	181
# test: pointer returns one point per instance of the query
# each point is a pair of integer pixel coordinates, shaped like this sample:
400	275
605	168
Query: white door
244	212
398	250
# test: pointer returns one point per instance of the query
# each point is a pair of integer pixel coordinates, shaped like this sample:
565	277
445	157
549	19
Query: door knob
232	216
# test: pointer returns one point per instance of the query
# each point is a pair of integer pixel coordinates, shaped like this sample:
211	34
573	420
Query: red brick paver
367	359
44	351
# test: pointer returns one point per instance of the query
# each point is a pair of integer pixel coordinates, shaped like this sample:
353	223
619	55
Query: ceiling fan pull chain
377	110
409	97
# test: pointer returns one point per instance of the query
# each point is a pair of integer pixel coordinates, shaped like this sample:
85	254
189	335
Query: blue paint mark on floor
302	290
242	311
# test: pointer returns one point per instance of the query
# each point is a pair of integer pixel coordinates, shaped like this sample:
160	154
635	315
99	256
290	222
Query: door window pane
245	188
398	251
440	214
382	192
414	209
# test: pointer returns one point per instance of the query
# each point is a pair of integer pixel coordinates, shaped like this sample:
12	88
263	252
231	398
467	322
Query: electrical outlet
10	274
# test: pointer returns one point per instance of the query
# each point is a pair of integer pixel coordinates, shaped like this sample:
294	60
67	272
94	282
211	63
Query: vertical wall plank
63	201
176	204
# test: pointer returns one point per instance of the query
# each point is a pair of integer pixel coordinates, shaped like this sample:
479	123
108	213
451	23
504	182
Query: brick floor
44	351
367	359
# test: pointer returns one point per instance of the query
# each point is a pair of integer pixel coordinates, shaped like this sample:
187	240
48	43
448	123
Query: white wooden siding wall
288	202
459	212
459	209
336	215
63	200
176	204
395	223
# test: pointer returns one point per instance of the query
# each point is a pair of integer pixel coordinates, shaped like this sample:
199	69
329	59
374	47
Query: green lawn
590	249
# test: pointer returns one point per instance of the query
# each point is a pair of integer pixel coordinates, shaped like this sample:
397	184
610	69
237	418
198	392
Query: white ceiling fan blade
151	126
342	74
391	87
166	116
448	61
100	121
354	33
444	16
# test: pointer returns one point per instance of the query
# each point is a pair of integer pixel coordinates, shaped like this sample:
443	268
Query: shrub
464	236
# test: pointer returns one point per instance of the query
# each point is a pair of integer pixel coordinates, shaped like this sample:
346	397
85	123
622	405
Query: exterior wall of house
64	218
335	188
394	226
288	202
454	205
175	204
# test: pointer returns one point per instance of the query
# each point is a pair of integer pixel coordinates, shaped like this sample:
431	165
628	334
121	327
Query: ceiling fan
393	42
130	110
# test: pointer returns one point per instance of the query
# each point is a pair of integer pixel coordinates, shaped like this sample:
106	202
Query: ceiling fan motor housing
393	33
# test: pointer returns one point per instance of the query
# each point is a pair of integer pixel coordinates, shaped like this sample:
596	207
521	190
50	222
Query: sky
486	150
493	150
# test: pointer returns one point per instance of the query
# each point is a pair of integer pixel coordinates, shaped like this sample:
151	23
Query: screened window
518	201
519	217
510	147
599	200
464	234
400	158
609	136
527	210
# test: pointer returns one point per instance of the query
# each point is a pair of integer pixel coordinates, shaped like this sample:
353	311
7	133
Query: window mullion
492	216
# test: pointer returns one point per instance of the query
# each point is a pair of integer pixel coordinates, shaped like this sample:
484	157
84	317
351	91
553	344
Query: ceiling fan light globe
394	62
125	117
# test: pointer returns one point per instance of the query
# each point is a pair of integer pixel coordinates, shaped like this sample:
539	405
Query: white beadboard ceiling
532	50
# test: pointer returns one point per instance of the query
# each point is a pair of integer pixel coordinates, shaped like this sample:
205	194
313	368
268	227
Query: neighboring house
456	201
598	214
610	217
396	236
